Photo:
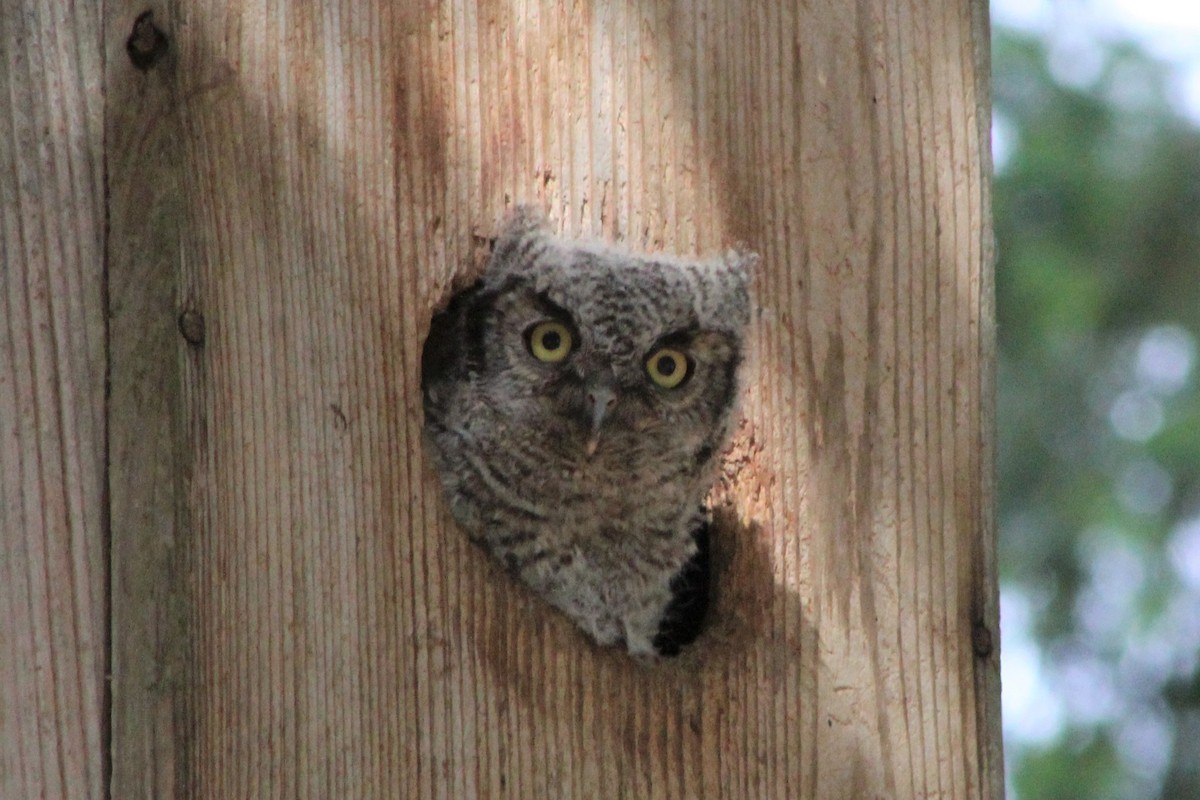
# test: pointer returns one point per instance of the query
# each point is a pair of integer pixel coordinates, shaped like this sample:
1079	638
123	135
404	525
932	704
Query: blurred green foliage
1097	220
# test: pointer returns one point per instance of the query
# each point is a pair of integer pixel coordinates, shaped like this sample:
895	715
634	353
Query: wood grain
52	370
148	462
340	165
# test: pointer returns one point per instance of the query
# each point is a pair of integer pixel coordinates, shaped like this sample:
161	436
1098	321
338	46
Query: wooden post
295	187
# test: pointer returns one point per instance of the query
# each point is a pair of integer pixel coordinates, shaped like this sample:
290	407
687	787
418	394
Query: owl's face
598	357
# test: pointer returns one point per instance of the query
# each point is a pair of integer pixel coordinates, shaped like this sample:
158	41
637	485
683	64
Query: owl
577	399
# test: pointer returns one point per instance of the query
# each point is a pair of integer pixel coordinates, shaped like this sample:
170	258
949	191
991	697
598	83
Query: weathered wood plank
342	163
52	367
147	460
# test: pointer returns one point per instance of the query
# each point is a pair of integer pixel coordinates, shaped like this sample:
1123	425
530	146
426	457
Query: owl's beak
600	398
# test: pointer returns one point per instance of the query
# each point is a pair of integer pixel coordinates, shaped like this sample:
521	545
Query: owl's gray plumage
583	476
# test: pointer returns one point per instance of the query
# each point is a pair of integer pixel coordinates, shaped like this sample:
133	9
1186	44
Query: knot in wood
981	639
191	325
146	44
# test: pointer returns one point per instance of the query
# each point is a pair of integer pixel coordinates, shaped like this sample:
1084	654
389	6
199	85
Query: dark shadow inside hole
443	356
684	618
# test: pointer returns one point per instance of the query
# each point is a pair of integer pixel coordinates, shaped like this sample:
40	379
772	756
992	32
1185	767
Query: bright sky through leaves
1167	29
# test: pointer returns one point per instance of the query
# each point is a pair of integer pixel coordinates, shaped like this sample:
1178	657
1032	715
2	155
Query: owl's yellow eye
667	368
550	341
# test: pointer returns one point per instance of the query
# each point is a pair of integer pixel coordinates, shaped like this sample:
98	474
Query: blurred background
1096	144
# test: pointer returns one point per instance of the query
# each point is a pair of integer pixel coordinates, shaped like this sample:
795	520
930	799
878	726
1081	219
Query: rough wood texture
293	613
342	162
52	367
147	463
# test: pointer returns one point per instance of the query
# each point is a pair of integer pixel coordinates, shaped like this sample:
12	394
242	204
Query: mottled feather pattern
561	454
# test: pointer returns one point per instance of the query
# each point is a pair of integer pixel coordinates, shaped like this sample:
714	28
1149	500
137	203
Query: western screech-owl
577	398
